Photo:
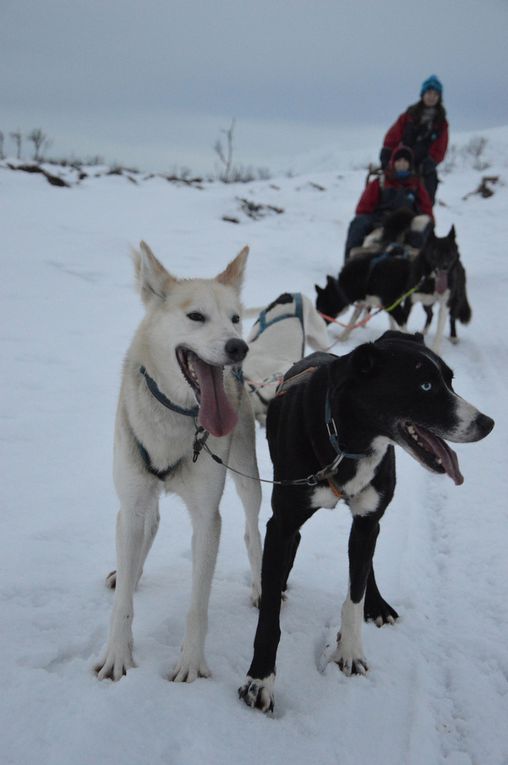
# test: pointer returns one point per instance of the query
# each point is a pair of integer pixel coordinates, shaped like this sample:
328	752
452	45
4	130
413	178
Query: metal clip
200	437
331	428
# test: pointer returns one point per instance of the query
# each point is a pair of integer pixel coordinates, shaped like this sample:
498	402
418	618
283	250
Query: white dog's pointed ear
154	282
234	271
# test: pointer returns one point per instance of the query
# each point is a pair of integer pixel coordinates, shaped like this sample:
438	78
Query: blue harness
264	323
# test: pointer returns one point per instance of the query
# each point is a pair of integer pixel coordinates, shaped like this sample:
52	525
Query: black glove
384	157
428	166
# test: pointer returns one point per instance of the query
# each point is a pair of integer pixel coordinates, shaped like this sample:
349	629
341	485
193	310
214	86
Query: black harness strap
200	435
165	401
160	474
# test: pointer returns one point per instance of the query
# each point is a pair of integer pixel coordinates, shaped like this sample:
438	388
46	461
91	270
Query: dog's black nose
484	424
236	349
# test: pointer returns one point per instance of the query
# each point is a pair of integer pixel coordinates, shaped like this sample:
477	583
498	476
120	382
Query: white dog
180	384
276	341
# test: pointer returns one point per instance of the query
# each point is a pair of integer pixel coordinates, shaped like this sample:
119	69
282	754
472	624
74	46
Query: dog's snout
484	424
236	349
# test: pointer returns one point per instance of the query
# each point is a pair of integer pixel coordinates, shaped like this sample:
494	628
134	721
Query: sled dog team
185	418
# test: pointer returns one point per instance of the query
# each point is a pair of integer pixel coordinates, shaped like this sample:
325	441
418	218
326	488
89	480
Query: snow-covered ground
437	689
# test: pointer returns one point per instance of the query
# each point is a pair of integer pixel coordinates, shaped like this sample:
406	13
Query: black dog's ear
318	289
364	359
393	334
451	234
330	280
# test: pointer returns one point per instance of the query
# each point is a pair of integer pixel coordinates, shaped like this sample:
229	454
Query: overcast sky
151	83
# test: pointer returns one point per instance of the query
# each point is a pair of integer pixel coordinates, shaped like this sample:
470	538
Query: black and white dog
444	284
376	274
337	425
367	281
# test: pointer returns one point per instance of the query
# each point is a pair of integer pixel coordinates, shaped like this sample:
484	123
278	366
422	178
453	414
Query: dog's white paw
187	670
349	660
115	663
258	694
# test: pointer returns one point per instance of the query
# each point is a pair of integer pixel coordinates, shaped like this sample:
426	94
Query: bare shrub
17	137
40	141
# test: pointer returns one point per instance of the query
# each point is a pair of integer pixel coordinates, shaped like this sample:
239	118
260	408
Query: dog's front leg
429	313
130	535
441	323
206	524
453	330
243	459
258	690
348	653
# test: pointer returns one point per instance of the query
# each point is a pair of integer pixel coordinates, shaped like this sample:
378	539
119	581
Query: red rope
361	323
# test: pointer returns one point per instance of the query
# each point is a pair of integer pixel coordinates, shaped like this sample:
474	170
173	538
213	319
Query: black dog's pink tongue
441	282
216	415
448	457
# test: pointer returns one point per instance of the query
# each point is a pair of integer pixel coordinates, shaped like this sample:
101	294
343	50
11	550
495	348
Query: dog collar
162	399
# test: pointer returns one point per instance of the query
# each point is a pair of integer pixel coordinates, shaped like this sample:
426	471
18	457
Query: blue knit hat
432	83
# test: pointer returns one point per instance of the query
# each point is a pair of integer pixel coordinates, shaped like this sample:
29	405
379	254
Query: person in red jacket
397	187
424	128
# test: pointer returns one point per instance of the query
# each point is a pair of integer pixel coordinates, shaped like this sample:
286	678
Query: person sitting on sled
397	187
424	128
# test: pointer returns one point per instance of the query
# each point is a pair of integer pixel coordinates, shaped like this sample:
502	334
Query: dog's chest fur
167	436
324	496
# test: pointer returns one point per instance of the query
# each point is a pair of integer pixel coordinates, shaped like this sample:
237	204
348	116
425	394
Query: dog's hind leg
242	457
130	545
375	608
250	496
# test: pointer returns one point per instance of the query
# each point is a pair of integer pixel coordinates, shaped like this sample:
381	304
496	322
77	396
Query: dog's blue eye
235	319
426	386
195	316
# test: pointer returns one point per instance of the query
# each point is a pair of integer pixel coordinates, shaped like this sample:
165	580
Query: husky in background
278	339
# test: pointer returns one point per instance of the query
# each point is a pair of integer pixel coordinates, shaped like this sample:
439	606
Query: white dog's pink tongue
216	415
441	282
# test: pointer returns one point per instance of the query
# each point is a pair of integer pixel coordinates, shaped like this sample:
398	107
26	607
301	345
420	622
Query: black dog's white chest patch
358	491
367	466
323	496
